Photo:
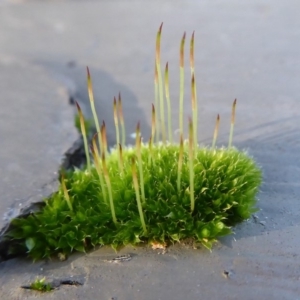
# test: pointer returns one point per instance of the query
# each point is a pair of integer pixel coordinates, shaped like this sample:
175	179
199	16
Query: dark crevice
74	157
71	282
57	283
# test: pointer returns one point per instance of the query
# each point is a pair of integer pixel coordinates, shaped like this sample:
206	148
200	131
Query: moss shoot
40	285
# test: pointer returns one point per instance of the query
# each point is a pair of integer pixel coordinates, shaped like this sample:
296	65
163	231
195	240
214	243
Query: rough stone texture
248	50
36	128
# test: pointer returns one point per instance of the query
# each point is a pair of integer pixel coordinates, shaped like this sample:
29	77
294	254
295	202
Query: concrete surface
36	128
249	50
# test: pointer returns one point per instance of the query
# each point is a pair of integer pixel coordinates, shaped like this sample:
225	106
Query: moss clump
155	192
40	285
226	182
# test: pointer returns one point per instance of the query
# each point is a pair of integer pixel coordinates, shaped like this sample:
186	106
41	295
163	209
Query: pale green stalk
120	109
194	109
107	179
66	194
180	162
150	151
156	102
167	90
181	93
139	156
232	124
117	130
216	131
96	157
153	123
83	132
103	138
92	102
137	193
194	89
160	85
121	157
116	121
191	164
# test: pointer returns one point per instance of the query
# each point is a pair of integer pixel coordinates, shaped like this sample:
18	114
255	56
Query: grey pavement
36	128
249	50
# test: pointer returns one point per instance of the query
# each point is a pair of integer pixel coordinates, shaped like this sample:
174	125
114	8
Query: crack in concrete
57	283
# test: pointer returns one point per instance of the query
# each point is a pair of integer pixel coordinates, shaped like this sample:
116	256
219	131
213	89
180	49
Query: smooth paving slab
36	128
244	50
